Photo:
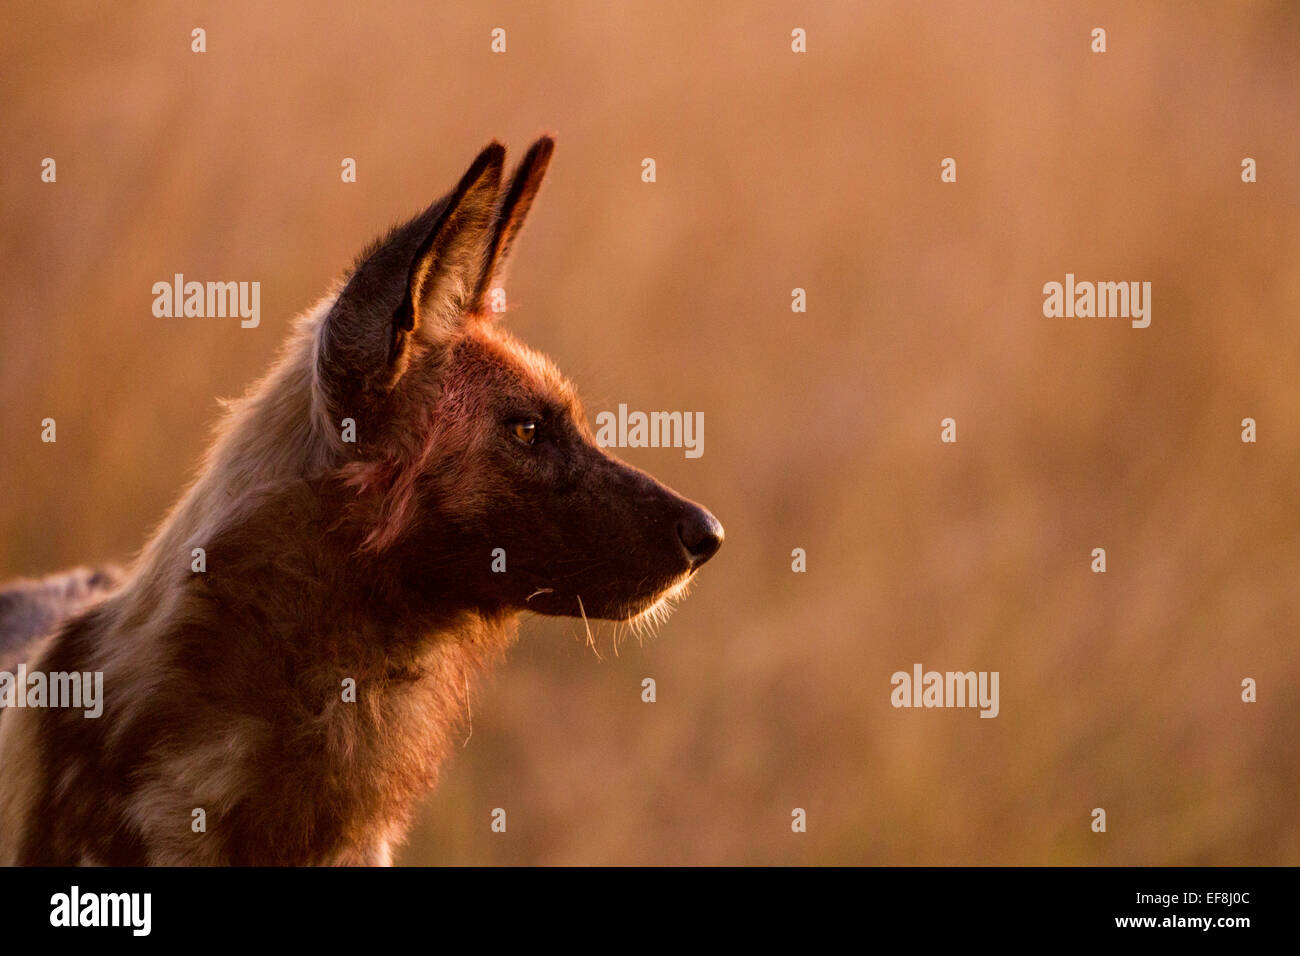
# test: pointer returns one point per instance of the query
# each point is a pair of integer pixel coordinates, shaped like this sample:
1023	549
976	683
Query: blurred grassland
924	301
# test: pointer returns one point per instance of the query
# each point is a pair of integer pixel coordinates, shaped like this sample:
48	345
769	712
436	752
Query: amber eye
525	432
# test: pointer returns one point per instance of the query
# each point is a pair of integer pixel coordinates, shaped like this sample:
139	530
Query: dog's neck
294	690
288	690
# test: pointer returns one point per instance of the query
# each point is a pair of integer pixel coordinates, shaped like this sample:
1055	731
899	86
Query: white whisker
469	714
591	641
645	623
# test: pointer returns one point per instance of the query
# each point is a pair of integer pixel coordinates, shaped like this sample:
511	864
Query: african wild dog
329	560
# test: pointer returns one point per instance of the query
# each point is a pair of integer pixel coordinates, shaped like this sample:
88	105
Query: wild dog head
472	451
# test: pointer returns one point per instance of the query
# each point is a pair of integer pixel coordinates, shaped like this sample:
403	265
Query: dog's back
30	609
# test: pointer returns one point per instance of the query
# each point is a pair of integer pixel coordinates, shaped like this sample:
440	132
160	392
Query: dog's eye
524	432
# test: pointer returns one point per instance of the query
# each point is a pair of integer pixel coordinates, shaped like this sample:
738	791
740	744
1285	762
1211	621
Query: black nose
701	536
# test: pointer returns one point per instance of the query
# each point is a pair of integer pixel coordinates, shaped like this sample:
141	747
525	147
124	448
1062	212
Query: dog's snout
700	535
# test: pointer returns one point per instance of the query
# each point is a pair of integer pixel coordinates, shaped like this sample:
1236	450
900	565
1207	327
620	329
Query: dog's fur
330	561
29	609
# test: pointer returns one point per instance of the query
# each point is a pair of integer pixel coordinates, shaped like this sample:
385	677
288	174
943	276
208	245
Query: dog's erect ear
412	288
510	218
447	266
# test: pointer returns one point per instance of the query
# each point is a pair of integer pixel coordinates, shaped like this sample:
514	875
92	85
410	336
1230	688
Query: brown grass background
822	429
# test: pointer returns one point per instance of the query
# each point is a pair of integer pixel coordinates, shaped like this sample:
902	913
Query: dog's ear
510	217
413	289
